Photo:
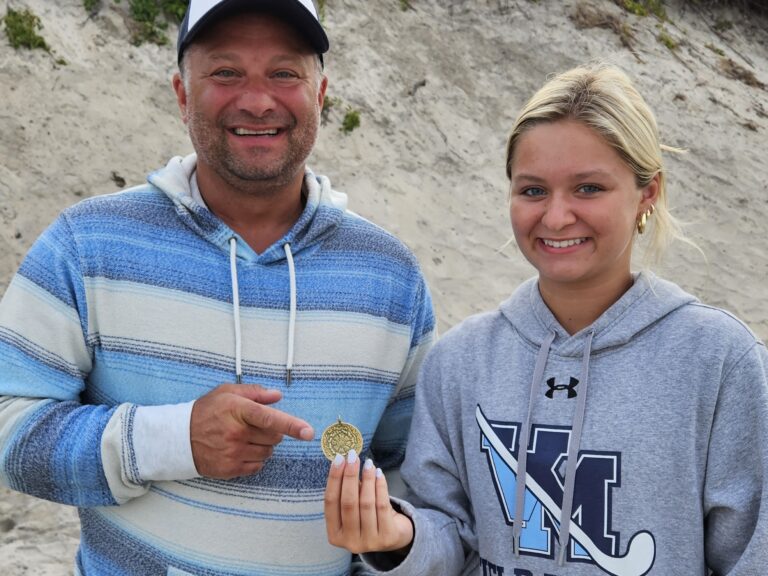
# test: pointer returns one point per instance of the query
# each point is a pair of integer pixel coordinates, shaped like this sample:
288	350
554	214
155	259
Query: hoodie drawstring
291	315
573	452
522	447
573	448
236	312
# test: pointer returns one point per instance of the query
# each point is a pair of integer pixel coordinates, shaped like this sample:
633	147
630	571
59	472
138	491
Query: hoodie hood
647	301
322	214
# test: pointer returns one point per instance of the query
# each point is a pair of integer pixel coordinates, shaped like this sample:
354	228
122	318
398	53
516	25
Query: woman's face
574	205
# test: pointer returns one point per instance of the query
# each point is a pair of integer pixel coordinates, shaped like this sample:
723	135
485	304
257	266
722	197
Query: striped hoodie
132	305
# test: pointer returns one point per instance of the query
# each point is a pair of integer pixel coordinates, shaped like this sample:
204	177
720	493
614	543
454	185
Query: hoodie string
291	315
573	448
236	312
522	448
573	452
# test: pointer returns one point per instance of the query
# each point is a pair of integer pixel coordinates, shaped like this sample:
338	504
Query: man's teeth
245	132
563	243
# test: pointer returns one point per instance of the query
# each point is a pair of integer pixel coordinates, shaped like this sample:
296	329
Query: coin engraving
339	438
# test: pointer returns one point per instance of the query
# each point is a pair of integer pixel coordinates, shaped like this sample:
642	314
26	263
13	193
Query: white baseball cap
299	13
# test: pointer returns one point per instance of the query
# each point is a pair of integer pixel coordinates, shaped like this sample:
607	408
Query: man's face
251	98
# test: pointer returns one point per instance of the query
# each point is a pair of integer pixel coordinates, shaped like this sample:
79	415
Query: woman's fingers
384	511
350	498
395	529
383	505
369	528
358	513
333	500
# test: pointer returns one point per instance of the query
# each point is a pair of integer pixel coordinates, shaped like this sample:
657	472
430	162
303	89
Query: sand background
437	87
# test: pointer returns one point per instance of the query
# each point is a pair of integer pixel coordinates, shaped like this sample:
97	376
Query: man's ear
181	95
321	92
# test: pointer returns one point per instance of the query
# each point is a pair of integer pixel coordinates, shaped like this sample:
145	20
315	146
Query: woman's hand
358	514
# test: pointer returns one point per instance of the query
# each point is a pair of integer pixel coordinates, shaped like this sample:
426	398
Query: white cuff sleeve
161	442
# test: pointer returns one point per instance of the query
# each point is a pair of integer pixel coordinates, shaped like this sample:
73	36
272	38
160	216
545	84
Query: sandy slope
437	87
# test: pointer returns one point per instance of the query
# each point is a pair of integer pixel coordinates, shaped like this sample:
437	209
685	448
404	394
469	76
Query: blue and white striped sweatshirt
123	313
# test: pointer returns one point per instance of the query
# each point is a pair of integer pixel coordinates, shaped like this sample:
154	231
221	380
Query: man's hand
233	430
358	513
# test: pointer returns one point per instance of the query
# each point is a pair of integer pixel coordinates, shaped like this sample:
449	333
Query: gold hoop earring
641	223
643	220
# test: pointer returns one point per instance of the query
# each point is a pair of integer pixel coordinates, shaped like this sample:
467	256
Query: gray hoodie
664	400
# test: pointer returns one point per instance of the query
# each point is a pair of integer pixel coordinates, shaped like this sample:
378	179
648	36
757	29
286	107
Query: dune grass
22	27
151	17
753	6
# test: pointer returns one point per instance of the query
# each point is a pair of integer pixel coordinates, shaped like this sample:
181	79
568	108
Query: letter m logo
597	475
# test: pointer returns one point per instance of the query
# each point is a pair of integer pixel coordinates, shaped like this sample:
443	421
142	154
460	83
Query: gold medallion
340	438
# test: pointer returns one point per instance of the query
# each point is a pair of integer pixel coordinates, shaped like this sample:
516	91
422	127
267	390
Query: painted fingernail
338	460
379	473
368	464
352	456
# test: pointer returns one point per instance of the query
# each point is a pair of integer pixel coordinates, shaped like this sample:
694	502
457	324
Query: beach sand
437	88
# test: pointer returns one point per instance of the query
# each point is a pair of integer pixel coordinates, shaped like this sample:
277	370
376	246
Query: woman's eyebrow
591	173
529	177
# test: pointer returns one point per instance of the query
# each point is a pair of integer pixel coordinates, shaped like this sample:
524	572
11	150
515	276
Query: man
170	355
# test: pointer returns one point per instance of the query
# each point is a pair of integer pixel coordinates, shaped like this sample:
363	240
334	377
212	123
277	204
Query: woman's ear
650	193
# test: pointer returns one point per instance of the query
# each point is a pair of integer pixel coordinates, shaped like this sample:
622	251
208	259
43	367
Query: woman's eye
589	188
533	191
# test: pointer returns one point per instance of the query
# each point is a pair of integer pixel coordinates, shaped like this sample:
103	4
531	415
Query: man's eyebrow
287	57
290	56
227	56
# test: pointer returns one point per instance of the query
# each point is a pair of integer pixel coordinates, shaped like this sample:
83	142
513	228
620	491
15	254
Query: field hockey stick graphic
641	549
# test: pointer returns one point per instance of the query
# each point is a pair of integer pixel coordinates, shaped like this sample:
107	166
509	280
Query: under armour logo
571	387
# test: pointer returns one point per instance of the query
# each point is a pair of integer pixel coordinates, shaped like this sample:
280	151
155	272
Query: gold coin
340	438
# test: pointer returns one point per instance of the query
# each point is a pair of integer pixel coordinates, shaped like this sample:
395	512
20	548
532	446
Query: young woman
642	411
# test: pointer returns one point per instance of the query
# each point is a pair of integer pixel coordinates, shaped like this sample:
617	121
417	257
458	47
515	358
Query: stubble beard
253	174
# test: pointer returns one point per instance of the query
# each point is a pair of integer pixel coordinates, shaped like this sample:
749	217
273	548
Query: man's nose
256	99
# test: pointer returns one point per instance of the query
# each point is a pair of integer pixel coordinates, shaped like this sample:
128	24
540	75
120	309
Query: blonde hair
603	98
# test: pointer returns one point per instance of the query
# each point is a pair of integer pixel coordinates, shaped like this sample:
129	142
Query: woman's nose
558	213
